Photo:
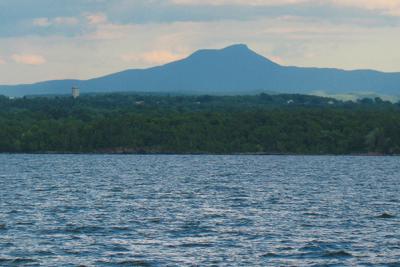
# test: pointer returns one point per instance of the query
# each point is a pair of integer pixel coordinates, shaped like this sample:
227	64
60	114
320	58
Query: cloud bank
29	59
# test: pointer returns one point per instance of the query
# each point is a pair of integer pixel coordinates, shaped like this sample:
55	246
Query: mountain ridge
235	69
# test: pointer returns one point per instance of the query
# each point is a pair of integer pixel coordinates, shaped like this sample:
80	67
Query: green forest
156	123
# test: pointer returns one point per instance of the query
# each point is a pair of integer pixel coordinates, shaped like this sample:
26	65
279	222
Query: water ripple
112	210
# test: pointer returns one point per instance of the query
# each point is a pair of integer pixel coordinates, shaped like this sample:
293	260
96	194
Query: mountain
233	70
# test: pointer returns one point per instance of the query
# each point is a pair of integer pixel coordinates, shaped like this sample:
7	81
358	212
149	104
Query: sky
58	39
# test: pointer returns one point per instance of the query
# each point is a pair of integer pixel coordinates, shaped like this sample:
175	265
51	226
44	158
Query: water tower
75	92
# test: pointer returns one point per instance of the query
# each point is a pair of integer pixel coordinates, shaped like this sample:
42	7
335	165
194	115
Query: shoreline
198	154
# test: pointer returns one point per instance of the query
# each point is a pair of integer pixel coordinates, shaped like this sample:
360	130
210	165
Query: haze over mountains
233	70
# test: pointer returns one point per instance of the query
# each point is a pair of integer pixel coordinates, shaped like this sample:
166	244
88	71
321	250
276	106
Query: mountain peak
237	52
236	47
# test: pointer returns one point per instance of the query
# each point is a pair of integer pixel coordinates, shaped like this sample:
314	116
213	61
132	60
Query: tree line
135	123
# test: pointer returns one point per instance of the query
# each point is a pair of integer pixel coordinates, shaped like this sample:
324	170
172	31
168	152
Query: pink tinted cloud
238	2
66	21
2	61
277	59
29	59
153	57
97	18
390	7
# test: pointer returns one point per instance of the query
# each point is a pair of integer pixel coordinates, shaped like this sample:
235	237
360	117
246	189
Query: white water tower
75	92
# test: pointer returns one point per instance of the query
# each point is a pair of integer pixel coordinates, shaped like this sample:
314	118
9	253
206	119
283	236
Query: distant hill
233	70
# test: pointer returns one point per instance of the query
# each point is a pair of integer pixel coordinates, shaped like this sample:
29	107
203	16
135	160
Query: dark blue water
103	210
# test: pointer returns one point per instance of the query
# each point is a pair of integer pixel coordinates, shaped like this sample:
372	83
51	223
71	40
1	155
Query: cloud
277	59
238	2
109	31
152	57
2	61
29	59
87	15
98	18
42	22
46	22
66	21
389	7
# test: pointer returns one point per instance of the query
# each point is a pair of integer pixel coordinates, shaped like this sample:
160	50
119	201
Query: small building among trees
75	92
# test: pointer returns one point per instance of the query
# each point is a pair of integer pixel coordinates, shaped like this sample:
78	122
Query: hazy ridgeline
135	123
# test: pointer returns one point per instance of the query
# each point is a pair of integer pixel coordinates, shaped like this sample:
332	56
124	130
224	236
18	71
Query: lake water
127	210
